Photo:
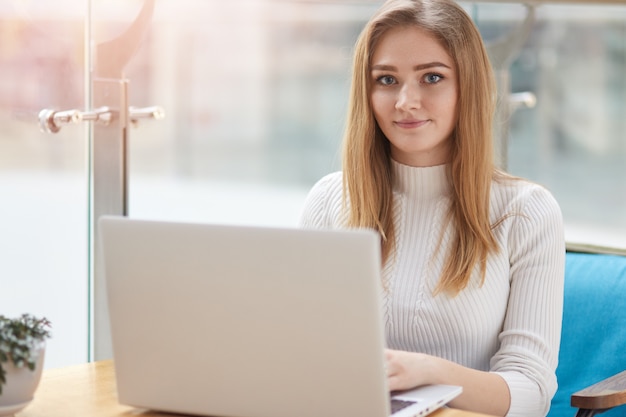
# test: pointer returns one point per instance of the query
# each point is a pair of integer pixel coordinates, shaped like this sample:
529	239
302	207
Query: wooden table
89	390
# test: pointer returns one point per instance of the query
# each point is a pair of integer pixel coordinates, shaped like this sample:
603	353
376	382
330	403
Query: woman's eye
432	78
386	80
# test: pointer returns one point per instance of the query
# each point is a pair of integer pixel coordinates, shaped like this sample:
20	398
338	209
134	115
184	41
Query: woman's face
414	96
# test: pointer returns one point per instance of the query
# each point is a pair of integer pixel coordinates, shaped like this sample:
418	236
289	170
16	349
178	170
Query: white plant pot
19	390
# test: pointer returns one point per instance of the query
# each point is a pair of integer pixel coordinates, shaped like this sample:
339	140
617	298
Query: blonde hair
367	174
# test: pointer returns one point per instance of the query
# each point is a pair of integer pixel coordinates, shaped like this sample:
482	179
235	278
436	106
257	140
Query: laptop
242	321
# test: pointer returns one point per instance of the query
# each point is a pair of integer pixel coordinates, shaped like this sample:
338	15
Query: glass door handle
51	121
152	112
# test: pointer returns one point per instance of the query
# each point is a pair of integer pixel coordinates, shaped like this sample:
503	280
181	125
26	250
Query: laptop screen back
245	321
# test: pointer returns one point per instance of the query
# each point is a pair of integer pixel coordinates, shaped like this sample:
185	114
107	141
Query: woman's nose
409	97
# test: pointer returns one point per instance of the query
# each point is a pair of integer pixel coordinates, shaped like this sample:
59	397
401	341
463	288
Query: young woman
473	258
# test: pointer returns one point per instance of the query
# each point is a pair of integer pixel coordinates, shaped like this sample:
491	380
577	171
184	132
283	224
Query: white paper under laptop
249	322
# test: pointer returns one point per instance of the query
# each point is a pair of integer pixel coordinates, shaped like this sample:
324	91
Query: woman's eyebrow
420	67
430	65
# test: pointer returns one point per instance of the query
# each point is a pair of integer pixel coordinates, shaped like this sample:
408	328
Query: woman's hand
483	392
406	370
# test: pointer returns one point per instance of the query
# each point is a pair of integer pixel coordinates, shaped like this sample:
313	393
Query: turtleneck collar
422	182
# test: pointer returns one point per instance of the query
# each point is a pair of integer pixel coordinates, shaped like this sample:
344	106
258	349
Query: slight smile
411	124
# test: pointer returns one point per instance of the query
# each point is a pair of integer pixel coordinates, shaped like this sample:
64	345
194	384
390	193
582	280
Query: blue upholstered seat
593	343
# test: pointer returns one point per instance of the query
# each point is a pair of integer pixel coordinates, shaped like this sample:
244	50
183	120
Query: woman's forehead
409	45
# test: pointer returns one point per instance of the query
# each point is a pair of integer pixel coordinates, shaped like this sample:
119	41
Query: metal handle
51	121
152	112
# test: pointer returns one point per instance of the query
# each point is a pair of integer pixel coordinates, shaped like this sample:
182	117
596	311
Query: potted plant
22	347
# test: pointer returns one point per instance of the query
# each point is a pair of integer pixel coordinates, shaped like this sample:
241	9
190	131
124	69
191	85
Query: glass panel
255	95
118	28
43	177
573	141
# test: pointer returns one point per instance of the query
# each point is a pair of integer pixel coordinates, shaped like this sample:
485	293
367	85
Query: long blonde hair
367	174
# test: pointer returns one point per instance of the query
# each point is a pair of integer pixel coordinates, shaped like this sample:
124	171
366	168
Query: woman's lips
410	123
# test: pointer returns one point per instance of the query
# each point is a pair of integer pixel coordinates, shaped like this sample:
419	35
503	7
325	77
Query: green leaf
20	341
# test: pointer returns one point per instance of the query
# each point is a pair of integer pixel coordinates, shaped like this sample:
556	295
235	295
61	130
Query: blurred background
255	94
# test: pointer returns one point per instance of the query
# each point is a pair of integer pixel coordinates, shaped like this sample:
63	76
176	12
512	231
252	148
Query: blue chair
593	341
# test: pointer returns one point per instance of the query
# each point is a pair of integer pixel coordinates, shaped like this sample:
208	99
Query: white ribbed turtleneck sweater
512	323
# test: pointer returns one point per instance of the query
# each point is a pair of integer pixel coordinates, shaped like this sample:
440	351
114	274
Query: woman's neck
420	182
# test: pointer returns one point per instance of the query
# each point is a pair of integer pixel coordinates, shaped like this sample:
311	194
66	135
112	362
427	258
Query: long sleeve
323	208
529	342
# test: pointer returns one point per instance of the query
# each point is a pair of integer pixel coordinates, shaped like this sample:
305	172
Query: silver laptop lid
245	321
